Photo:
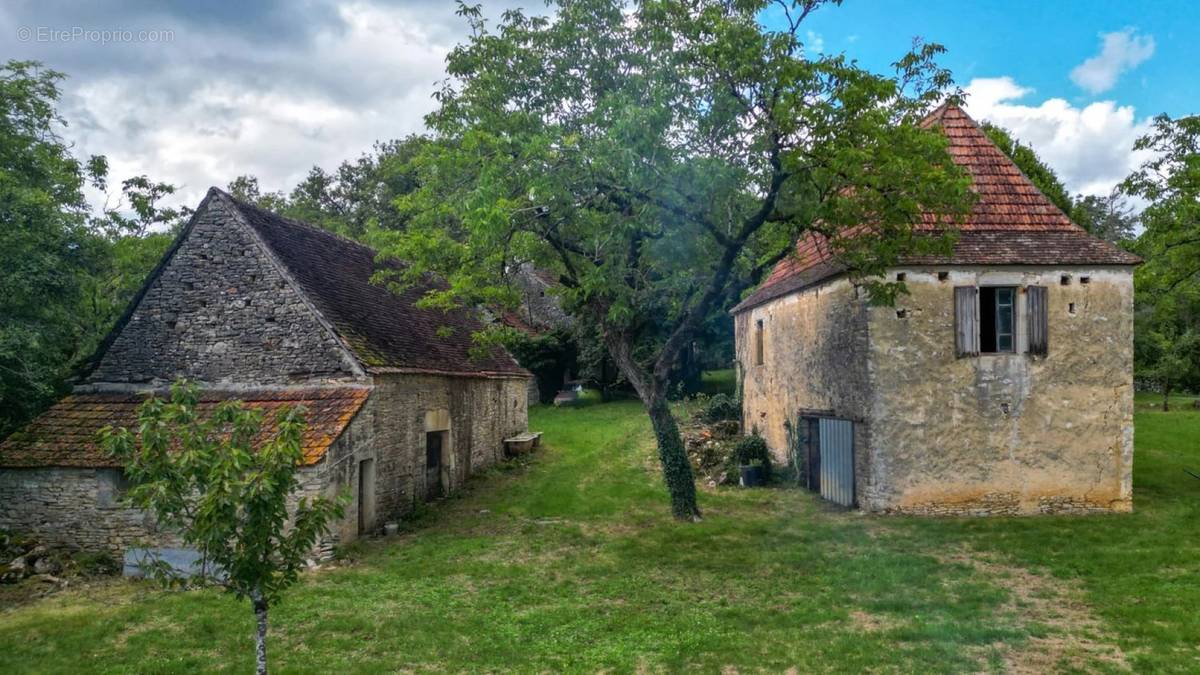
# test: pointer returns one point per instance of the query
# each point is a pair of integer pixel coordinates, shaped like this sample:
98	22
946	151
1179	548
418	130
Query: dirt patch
873	623
1067	635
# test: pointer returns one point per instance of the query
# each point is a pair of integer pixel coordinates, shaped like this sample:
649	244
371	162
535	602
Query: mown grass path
570	562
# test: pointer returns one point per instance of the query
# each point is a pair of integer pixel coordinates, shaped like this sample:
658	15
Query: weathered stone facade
225	309
74	507
222	312
938	434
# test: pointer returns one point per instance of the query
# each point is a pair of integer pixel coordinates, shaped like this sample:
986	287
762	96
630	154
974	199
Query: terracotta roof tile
66	434
1011	223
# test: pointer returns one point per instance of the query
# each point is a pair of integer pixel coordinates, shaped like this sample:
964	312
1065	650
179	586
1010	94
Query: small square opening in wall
901	276
1071	308
1085	280
1065	280
942	276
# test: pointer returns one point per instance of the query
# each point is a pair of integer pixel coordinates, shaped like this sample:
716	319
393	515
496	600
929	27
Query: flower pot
752	476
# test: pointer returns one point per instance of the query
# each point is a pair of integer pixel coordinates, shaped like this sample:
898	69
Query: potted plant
752	474
753	461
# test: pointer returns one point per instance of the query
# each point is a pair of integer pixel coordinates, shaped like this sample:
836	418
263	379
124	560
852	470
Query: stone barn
273	312
1002	383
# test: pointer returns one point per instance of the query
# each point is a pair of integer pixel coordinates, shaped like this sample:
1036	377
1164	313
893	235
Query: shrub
721	407
750	449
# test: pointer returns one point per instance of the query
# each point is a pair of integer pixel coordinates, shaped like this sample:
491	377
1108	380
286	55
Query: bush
750	449
721	407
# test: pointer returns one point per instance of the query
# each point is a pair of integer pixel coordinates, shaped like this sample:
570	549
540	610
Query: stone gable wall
814	358
222	313
1003	434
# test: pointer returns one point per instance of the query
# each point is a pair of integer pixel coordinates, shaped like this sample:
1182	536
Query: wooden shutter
1035	301
966	323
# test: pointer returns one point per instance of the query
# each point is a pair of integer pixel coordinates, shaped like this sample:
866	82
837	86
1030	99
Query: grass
569	562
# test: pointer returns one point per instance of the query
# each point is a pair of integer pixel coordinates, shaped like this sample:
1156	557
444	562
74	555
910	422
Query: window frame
988	301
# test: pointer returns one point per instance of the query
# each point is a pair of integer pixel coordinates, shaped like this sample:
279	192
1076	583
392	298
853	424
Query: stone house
270	311
1002	383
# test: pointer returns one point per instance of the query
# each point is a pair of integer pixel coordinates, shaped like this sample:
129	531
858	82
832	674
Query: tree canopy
66	270
659	158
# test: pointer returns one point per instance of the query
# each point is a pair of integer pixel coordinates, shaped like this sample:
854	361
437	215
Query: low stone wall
82	509
74	508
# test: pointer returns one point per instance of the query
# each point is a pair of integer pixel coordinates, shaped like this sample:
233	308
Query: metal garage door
837	460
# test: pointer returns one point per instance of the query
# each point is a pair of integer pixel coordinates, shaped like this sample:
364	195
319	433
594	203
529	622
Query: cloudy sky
207	90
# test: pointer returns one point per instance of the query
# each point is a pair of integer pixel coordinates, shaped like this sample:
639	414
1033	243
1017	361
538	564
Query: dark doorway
366	495
434	445
810	445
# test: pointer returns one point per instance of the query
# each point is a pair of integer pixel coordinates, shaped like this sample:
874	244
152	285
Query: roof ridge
240	204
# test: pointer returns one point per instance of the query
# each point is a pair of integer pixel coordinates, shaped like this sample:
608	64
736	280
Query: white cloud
270	99
1120	52
1091	147
814	42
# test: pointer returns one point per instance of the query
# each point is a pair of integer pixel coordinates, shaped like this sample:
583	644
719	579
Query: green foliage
227	497
1168	315
224	487
721	407
65	272
751	449
549	357
1110	217
658	159
46	250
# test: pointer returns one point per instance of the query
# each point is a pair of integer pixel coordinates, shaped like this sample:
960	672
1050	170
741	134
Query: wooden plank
1039	322
966	325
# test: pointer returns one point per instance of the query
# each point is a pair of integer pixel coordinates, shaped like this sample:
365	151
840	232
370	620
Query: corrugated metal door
837	460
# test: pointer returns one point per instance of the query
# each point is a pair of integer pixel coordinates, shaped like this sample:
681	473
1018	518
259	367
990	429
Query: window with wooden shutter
966	328
1036	303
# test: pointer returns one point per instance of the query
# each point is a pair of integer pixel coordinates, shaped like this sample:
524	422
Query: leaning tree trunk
260	636
677	470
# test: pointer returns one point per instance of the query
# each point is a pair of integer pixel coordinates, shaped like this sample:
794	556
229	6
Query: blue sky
273	87
1038	44
1078	81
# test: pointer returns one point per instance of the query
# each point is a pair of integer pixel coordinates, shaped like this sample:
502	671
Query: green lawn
571	563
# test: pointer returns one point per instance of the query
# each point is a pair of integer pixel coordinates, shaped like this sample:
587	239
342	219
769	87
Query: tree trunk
1166	397
652	390
260	636
677	470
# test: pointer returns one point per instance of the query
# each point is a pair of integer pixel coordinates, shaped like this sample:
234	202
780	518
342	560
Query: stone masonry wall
221	312
1003	434
72	507
82	509
814	359
482	413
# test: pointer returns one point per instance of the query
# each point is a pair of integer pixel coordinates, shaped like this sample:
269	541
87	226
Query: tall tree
659	157
46	248
1109	217
1167	346
215	481
1170	182
66	269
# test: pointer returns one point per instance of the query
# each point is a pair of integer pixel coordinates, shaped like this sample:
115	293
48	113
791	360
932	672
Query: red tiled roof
1011	223
66	434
